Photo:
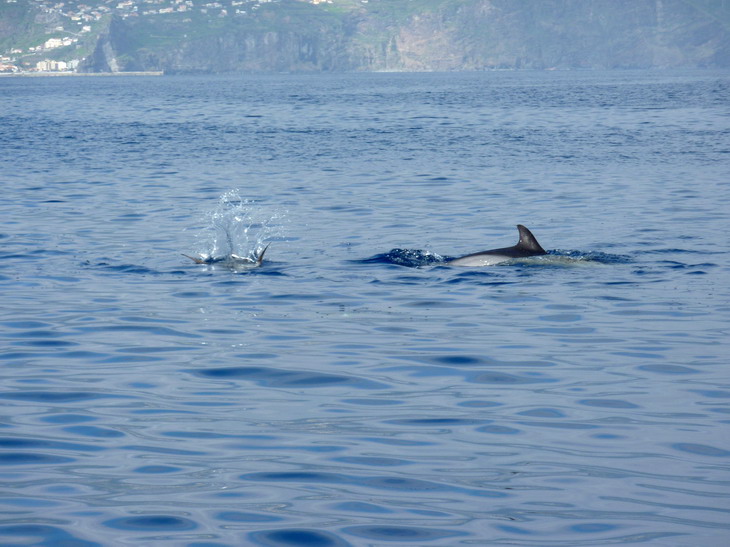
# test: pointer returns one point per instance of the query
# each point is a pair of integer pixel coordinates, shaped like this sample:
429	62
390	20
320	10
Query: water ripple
43	534
272	377
296	537
152	523
355	389
402	534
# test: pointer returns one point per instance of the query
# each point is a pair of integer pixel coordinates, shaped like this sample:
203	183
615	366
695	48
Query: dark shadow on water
156	523
296	537
120	268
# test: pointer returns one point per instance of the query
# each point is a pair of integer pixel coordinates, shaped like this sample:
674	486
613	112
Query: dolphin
526	246
232	261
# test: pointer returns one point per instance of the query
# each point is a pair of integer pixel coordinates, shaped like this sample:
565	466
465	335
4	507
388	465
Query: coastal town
69	22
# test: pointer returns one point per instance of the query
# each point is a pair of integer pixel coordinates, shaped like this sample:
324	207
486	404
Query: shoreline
58	74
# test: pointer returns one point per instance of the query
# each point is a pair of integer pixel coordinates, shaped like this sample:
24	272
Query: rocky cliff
423	35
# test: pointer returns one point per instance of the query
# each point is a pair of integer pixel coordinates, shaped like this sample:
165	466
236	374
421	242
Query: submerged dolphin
232	261
526	246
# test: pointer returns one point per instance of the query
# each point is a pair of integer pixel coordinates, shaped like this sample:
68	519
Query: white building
53	43
48	65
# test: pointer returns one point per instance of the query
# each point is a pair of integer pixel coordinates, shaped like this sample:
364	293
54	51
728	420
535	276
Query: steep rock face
104	57
440	35
257	51
274	43
482	34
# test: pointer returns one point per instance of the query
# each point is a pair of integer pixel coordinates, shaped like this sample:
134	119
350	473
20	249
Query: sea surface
356	389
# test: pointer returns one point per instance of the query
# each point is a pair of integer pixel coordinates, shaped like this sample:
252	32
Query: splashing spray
237	226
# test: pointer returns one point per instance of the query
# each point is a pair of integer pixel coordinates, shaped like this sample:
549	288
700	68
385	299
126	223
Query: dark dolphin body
526	246
232	261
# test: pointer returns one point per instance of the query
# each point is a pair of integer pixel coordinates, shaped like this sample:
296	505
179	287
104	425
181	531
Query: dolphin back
526	246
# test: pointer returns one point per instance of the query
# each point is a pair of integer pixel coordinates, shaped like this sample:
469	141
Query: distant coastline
335	36
56	74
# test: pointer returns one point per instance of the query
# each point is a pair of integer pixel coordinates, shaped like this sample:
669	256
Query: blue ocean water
355	389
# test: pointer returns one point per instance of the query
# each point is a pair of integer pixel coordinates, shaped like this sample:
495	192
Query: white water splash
238	226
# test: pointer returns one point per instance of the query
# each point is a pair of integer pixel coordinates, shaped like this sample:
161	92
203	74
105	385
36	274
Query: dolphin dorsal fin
196	260
528	241
260	257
